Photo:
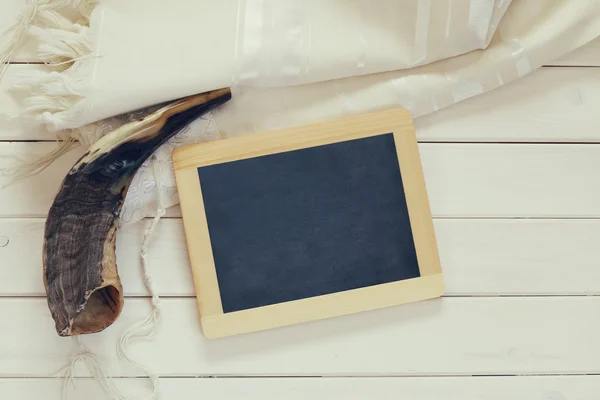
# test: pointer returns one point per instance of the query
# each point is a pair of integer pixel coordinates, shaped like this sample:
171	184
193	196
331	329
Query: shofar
80	271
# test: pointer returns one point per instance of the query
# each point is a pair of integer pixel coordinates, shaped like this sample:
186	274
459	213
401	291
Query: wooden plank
454	388
33	196
482	180
463	180
588	55
483	257
479	257
551	104
449	336
23	253
11	126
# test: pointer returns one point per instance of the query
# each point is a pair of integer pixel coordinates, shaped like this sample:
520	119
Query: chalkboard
307	223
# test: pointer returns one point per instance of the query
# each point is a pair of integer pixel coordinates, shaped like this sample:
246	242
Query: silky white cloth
289	62
141	52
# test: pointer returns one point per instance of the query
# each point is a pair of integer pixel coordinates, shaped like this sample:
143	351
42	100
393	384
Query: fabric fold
287	62
142	52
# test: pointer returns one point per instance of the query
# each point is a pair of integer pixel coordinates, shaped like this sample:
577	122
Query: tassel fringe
144	329
17	32
26	169
55	96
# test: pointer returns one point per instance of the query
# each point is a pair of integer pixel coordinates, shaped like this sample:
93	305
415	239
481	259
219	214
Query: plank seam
340	377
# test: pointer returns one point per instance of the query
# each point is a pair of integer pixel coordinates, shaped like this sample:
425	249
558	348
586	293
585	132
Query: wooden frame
215	323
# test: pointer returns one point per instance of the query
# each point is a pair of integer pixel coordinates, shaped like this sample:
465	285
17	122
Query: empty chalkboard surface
307	223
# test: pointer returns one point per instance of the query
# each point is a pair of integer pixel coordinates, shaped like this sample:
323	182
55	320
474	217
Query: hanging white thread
94	367
17	31
12	174
143	330
53	101
55	98
146	328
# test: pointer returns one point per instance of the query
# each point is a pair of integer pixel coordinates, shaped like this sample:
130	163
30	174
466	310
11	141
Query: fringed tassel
146	328
54	98
94	367
17	34
26	169
64	45
142	330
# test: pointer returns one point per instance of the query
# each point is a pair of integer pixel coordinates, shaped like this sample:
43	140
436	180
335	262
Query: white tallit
288	62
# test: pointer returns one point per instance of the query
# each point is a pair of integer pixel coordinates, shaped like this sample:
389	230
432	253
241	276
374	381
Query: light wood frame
214	322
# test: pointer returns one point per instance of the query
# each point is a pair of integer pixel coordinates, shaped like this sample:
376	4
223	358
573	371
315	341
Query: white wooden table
514	183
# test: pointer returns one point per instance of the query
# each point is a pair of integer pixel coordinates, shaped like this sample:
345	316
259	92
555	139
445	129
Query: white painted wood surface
463	180
10	127
548	105
463	388
9	13
518	228
485	257
448	336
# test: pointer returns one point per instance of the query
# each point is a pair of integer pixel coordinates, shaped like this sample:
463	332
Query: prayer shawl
288	62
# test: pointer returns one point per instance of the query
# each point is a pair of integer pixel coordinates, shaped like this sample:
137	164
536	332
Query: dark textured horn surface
82	284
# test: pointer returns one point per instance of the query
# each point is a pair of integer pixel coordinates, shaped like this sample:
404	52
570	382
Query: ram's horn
80	273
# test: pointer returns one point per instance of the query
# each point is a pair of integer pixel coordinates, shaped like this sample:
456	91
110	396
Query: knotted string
94	367
17	33
142	330
146	328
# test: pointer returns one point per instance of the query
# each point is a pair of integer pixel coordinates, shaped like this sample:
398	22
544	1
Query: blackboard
307	223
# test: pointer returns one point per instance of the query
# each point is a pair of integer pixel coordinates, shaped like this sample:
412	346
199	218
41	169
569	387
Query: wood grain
321	307
440	388
480	257
548	105
197	237
31	197
463	180
418	203
448	336
522	180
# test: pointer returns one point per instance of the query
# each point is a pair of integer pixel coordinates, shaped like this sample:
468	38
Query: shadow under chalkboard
315	332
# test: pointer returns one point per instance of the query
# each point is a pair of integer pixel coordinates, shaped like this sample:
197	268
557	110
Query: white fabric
145	51
292	62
